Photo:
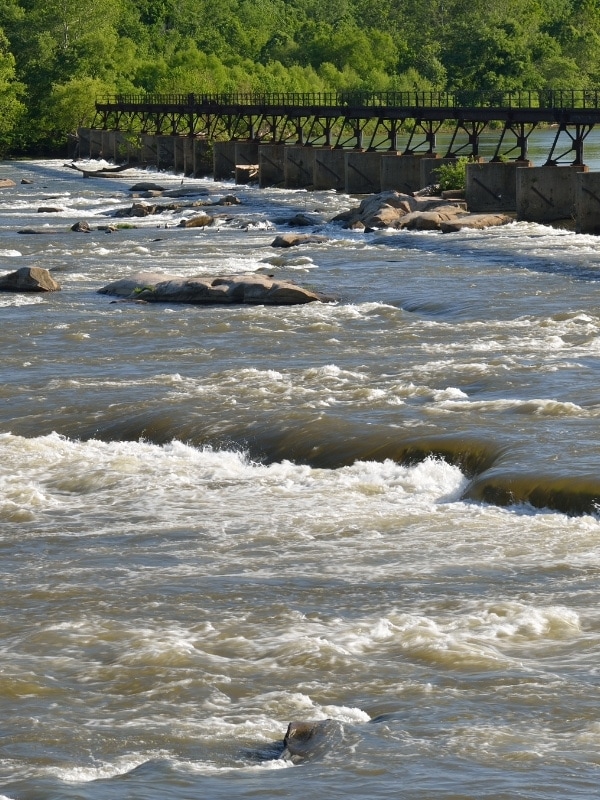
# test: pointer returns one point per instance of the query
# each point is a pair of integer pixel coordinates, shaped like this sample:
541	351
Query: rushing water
214	521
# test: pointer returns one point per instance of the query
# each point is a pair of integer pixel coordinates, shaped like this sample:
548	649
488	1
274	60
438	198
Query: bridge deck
338	118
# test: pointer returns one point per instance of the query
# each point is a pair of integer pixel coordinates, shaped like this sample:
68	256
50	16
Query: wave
331	443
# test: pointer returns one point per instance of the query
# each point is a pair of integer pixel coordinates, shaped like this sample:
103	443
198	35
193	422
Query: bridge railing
546	98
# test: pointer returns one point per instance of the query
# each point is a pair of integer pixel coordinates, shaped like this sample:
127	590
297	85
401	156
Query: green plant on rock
453	175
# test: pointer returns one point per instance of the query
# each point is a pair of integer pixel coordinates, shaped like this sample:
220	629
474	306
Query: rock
302	220
26	181
475	222
81	227
305	740
29	279
228	200
431	220
254	288
49	210
199	221
34	231
136	210
295	239
6	183
146	187
393	210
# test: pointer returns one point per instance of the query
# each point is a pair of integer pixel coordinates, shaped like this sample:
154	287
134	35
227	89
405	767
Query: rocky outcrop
28	279
253	288
403	211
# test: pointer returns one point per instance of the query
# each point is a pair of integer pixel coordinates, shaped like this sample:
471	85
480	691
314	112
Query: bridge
405	122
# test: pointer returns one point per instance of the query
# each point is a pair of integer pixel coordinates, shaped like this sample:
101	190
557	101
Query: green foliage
56	55
452	175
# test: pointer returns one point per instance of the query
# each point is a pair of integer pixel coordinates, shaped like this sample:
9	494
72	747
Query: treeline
57	56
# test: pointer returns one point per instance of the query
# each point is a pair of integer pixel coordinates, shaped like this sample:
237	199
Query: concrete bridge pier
547	194
246	161
298	167
271	170
492	186
202	157
329	169
165	148
96	144
587	203
363	171
83	142
401	172
224	160
149	149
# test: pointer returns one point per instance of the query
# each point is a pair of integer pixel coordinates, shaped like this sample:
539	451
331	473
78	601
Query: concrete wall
363	172
271	165
587	202
329	169
246	153
547	194
224	160
402	173
492	186
298	166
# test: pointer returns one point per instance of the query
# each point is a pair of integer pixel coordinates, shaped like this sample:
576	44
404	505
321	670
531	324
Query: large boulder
28	279
253	288
6	183
396	210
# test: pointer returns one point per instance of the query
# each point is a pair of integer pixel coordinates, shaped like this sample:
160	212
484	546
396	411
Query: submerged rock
28	279
254	288
306	740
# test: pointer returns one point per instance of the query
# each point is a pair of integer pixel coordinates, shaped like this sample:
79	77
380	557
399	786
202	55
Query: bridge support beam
401	172
298	167
492	186
329	169
271	171
587	202
547	194
363	172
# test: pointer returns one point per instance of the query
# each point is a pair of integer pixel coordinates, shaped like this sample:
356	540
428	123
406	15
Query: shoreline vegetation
56	57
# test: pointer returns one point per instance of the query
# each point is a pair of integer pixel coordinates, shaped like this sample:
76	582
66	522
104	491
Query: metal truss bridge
406	122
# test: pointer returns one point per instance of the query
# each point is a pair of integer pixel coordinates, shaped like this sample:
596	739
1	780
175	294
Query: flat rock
29	279
6	183
146	186
296	239
475	222
254	288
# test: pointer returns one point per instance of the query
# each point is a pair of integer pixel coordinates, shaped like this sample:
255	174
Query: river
215	521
